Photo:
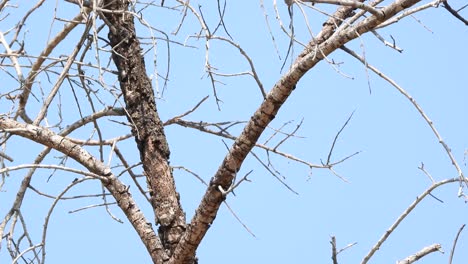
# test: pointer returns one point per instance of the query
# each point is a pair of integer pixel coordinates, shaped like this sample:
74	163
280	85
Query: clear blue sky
383	179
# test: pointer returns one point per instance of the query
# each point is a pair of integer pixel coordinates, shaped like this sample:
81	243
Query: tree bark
147	127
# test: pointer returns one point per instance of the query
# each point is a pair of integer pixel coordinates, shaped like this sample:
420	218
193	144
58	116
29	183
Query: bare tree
83	109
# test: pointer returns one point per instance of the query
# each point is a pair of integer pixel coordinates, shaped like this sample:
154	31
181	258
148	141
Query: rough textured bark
146	124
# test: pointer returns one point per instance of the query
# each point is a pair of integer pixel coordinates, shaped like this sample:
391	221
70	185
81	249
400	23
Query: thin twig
273	173
336	137
452	252
418	108
351	3
407	211
173	120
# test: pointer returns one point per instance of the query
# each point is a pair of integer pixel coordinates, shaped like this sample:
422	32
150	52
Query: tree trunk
147	127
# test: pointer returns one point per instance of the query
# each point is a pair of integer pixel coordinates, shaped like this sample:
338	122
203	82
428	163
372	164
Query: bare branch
54	167
409	12
99	72
418	108
13	58
175	118
5	156
420	254
336	137
202	127
452	252
263	116
117	188
408	210
454	12
88	207
386	43
334	254
37	65
350	3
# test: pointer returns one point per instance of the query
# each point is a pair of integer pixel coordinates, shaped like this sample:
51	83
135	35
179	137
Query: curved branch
120	192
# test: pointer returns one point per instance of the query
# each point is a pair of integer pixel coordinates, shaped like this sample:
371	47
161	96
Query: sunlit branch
420	254
409	12
13	58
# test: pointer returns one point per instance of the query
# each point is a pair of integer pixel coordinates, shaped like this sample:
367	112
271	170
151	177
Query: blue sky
384	178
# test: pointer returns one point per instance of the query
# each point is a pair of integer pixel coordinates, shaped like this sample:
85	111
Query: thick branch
114	185
231	164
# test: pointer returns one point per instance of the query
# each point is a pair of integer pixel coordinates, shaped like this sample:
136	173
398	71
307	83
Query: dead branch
420	254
